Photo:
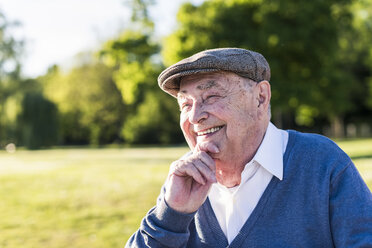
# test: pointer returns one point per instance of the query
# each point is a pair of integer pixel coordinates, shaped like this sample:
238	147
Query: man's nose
197	114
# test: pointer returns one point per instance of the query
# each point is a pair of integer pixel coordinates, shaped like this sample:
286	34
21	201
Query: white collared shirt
233	206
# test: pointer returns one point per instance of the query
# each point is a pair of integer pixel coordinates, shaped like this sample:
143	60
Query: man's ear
264	94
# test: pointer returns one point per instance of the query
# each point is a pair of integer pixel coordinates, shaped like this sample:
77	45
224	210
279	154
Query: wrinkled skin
235	111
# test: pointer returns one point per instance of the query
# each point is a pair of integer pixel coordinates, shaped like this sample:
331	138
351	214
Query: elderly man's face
221	108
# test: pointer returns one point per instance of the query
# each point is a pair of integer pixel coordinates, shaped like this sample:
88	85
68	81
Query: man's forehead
203	82
201	85
207	85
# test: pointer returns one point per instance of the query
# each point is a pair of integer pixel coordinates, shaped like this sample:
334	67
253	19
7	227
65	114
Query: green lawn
92	197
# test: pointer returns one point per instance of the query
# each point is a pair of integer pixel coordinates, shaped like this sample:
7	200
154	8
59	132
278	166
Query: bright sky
56	30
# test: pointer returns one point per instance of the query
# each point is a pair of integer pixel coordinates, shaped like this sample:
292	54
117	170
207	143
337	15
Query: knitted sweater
321	202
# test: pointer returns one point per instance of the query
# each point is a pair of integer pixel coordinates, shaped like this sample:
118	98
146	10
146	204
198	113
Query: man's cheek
189	136
191	139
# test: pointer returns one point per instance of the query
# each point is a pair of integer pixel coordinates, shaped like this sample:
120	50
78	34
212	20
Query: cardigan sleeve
350	209
162	227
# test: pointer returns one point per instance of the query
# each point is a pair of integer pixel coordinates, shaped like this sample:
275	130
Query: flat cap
243	62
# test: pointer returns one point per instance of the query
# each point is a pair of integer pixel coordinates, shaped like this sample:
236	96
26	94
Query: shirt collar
270	153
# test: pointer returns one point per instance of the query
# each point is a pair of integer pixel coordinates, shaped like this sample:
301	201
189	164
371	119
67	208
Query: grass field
93	197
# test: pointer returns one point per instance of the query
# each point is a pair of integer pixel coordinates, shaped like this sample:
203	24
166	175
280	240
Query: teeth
211	130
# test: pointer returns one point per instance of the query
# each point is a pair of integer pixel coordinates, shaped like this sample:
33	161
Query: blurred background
81	115
84	72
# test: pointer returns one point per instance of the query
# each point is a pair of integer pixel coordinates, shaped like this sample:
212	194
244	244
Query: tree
131	56
300	39
156	121
358	44
151	117
10	50
37	122
89	103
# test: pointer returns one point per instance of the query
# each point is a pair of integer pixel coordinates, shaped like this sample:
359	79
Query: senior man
246	183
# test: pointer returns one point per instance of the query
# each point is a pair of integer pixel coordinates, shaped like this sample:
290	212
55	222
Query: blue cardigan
321	202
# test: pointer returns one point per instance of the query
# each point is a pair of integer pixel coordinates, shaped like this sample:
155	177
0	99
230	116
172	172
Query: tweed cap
243	62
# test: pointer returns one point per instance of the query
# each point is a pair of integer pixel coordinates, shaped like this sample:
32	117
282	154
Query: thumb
208	147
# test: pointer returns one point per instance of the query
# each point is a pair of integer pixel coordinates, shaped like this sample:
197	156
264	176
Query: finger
205	171
207	147
188	169
206	159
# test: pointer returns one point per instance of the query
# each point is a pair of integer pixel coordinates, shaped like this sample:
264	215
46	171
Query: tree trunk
337	127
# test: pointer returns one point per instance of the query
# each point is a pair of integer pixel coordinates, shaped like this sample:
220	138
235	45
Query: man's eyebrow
207	85
204	86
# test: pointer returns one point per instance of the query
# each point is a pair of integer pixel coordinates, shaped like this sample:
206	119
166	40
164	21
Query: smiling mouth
209	131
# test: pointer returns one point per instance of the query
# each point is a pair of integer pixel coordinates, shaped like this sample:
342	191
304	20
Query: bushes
38	122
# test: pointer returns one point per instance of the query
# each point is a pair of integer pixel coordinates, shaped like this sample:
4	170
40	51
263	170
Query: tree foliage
319	52
152	115
156	121
10	50
131	57
38	122
302	40
89	103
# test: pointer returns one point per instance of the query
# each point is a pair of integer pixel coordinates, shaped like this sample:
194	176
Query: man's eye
212	97
184	106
